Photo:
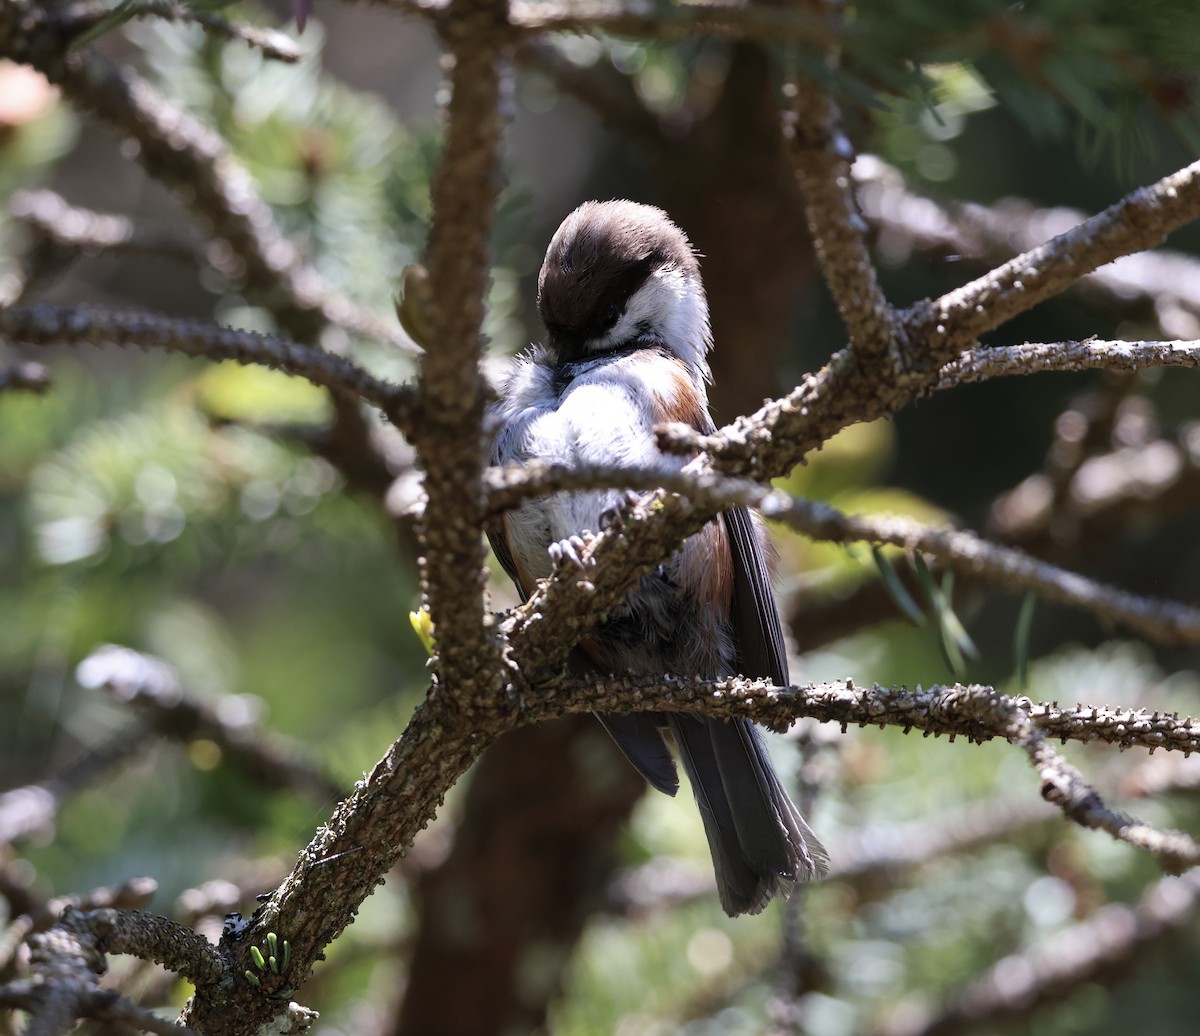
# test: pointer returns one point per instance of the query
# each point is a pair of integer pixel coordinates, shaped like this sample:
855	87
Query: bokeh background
179	508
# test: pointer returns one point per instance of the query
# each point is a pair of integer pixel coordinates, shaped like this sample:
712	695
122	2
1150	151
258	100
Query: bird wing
499	543
756	628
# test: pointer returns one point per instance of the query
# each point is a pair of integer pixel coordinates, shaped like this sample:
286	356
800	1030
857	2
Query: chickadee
627	336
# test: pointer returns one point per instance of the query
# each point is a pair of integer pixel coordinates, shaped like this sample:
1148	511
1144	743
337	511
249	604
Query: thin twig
983	364
1064	785
68	225
1102	950
274	45
1164	622
1140	220
151	688
44	324
956	710
678	21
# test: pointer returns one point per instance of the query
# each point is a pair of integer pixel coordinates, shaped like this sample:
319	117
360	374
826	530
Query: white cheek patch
670	307
646	308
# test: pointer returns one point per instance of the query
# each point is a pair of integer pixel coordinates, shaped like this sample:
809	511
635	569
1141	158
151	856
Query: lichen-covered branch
374	825
951	709
576	600
1065	786
350	854
449	438
66	960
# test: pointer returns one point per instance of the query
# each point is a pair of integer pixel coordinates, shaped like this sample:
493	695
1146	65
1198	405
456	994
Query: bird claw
571	549
614	517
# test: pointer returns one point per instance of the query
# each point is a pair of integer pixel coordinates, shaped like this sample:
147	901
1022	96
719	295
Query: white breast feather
605	416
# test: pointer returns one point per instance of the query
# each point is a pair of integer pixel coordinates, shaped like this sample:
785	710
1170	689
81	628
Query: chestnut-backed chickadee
627	335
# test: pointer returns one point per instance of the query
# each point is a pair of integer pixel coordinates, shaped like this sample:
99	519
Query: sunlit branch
91	232
68	958
822	155
44	324
906	221
983	364
273	45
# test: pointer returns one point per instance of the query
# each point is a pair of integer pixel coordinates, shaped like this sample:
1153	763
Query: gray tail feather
761	846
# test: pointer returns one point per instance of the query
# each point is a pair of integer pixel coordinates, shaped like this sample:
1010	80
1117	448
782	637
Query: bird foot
614	517
572	549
